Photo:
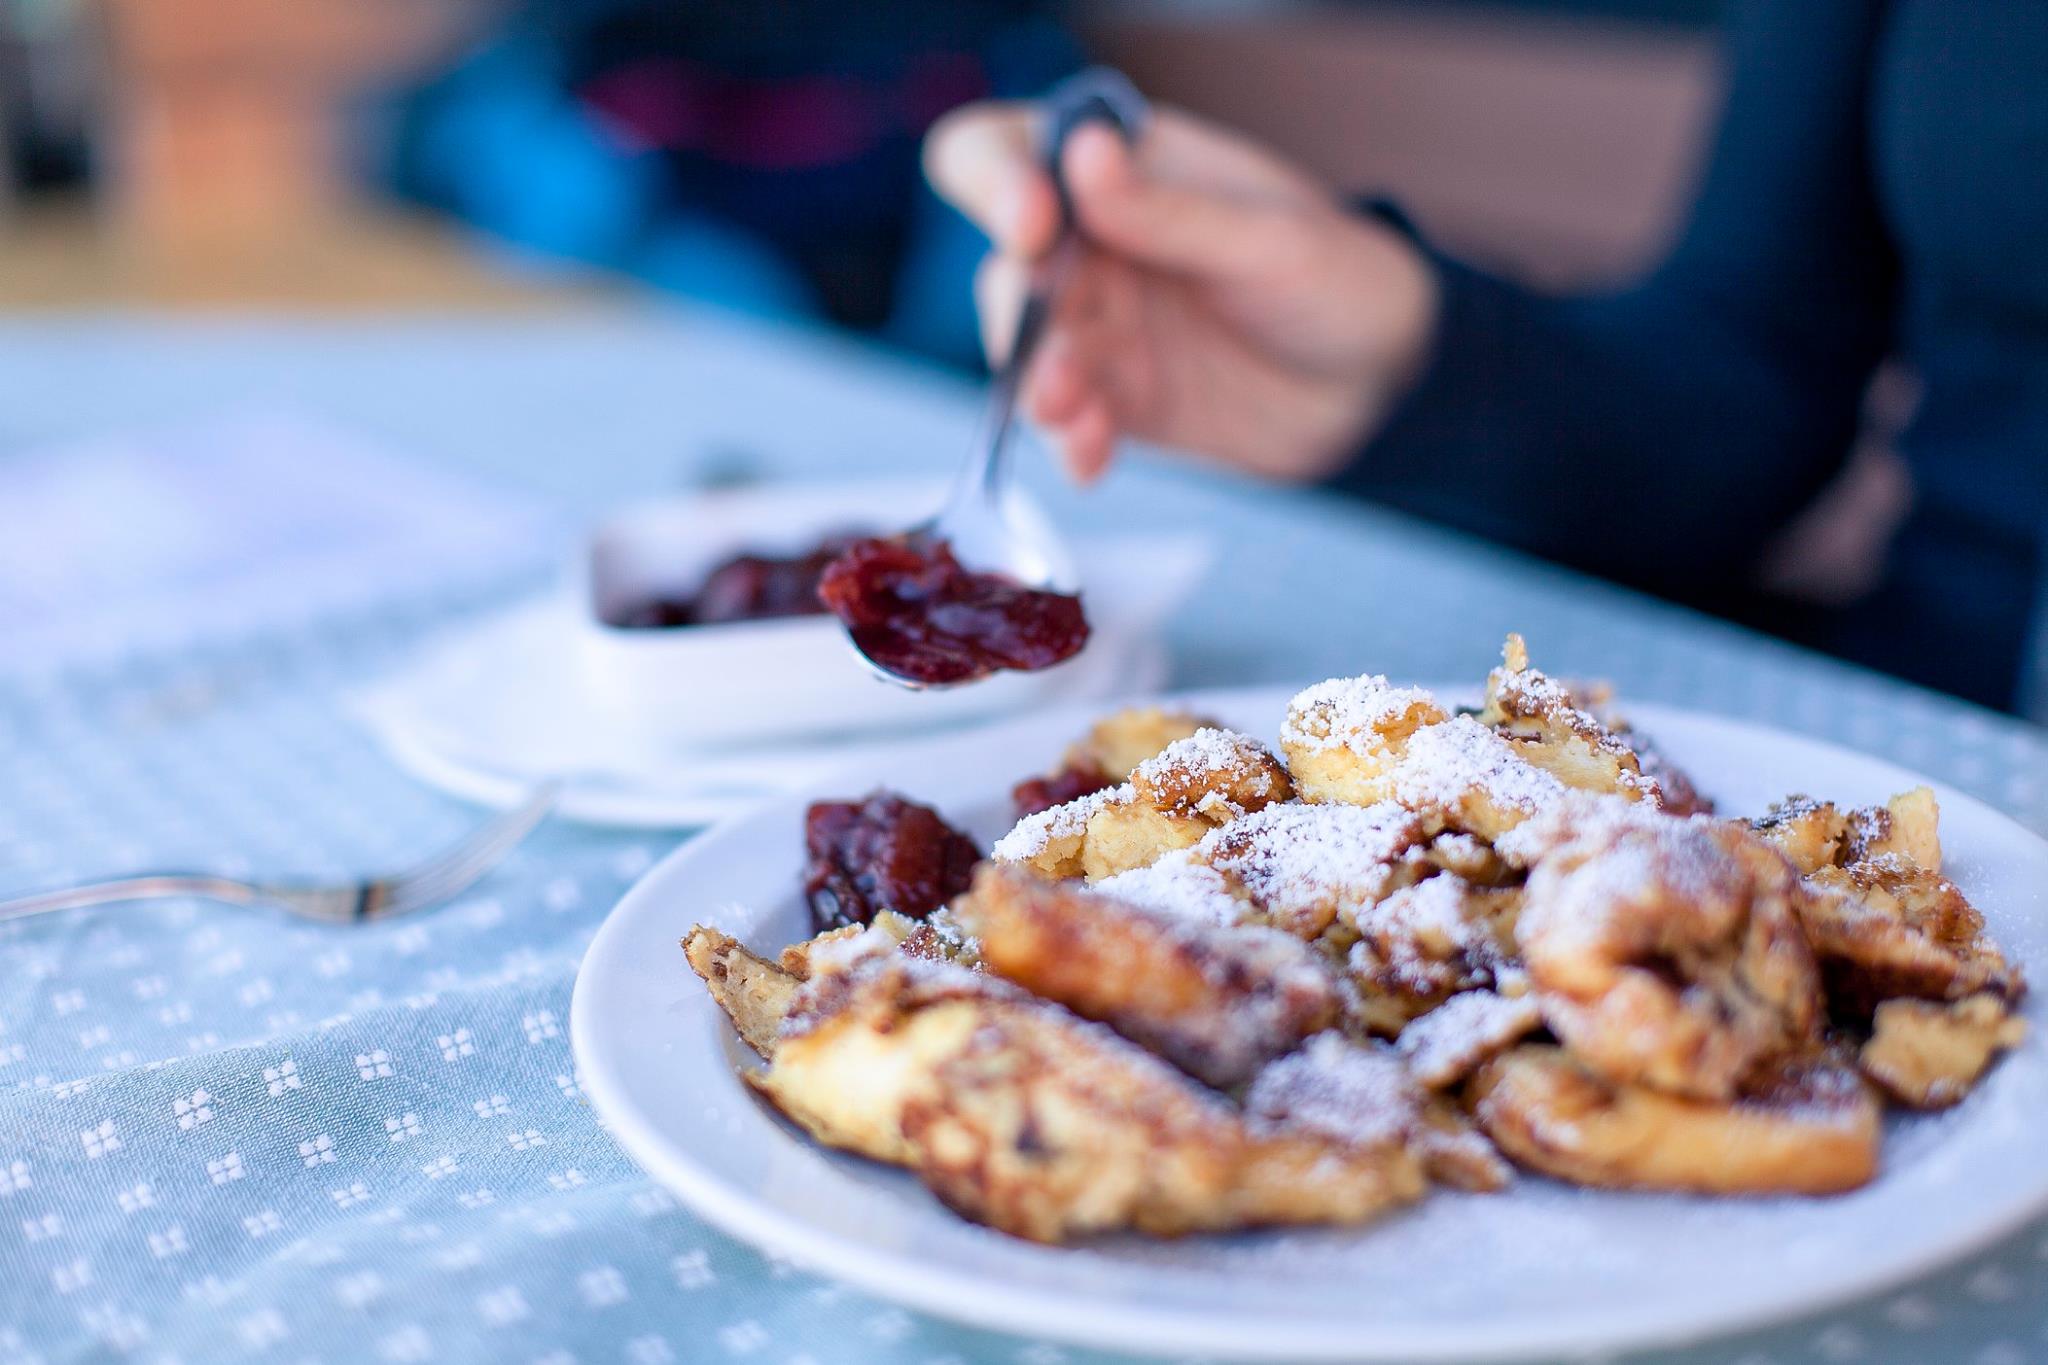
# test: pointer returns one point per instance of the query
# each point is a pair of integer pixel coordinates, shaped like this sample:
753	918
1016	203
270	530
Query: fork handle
149	886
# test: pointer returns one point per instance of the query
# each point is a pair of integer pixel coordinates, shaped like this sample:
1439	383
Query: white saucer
488	712
1537	1271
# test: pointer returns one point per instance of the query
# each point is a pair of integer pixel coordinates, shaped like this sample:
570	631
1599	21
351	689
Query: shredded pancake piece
1217	1002
1543	724
1928	1055
1364	1096
1301	865
1884	928
1812	1130
1363	742
1819	834
1430	940
1172	800
1666	952
1021	1116
755	993
1449	1043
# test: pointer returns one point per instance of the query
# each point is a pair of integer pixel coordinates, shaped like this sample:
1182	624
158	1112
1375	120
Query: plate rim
969	1298
595	801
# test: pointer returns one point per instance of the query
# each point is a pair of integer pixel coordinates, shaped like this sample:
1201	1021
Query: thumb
1191	229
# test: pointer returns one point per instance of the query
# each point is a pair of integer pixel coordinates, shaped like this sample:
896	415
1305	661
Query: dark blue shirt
1878	186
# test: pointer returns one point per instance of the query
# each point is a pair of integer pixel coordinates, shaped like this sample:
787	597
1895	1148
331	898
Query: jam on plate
883	852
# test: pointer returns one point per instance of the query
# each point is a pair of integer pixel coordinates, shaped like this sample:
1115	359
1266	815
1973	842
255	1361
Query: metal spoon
984	526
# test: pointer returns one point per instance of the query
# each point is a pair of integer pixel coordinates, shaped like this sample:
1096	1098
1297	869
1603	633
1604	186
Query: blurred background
761	155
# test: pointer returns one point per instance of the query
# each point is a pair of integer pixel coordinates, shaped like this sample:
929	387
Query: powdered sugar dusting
1580	817
1341	710
1205	752
1525	692
1035	833
949	935
1299	854
1207	772
1818	1093
1339	1090
1446	763
1176	884
1459	847
1606	852
1447	1044
839	951
1430	915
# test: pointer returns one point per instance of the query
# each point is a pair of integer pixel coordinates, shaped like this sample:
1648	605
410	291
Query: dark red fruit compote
915	610
746	587
884	852
1070	783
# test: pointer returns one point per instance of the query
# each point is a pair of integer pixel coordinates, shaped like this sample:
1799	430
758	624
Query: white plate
1538	1271
500	705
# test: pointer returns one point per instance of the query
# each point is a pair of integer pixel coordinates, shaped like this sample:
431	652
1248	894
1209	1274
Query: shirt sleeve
1661	432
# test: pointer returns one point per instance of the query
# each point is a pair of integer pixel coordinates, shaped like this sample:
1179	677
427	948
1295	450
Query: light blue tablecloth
230	1138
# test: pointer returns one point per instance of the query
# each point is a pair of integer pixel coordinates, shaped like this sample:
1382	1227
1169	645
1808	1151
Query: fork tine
485	846
456	868
434	884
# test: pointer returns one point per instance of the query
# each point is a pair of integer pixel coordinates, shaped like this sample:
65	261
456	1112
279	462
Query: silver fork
445	875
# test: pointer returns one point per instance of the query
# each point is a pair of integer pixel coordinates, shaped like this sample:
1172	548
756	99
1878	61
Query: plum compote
1070	783
883	852
746	587
918	612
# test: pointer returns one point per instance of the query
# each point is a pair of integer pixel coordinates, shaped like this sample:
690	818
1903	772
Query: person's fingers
980	158
974	153
1087	443
1092	291
1180	147
999	285
1098	333
1062	394
1057	388
1160	223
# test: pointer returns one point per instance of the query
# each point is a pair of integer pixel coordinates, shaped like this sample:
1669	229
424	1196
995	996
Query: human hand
1225	302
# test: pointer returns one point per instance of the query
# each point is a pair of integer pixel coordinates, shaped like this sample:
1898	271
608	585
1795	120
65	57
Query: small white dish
687	726
1539	1271
773	680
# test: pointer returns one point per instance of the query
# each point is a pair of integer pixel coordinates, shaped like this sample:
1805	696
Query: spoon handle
1097	95
997	418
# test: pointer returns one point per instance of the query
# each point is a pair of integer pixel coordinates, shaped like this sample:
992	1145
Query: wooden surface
360	260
